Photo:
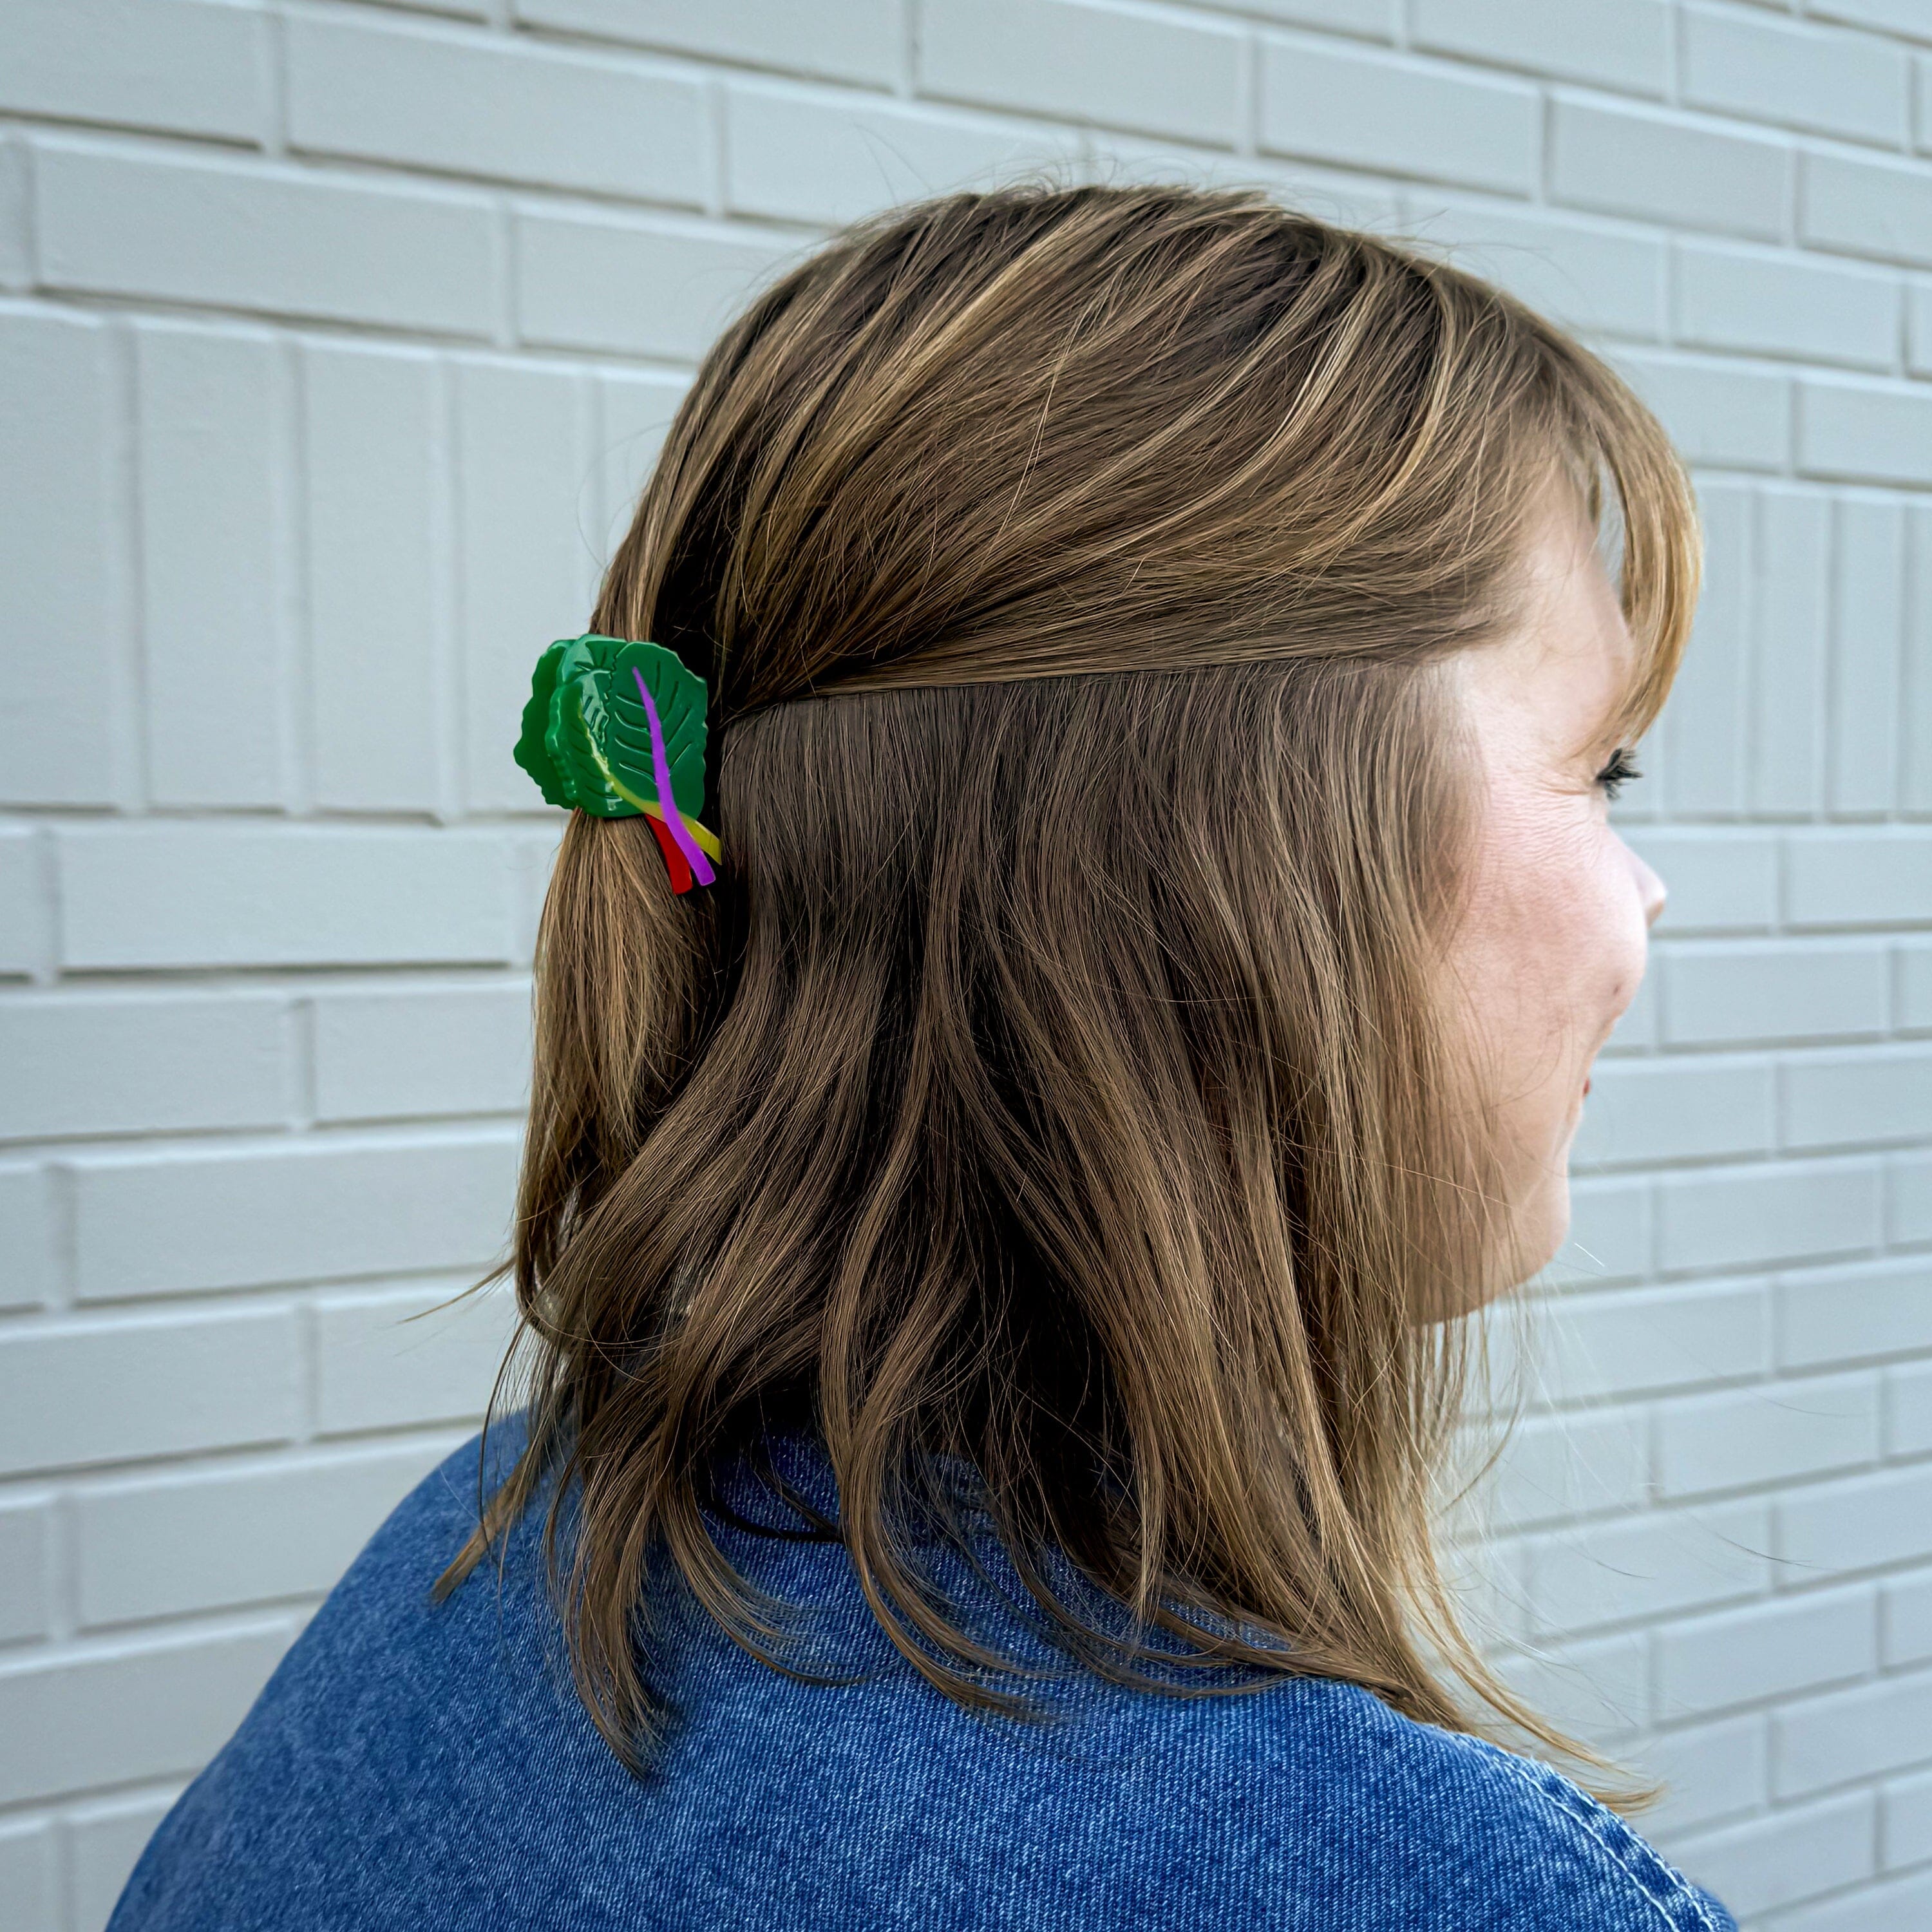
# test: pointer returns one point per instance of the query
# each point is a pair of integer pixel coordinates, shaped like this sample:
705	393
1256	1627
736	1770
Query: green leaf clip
586	739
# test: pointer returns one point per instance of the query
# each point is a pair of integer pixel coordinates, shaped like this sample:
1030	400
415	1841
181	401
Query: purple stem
694	854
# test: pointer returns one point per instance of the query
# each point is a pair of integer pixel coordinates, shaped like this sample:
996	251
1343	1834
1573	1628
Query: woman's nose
1650	887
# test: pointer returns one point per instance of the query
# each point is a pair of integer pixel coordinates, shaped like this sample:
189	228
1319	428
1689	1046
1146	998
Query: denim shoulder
1661	1895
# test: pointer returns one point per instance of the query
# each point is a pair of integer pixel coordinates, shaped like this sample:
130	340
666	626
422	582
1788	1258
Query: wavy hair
1058	1079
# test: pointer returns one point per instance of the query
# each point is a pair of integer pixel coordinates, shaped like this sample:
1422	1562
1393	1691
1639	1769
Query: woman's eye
1621	770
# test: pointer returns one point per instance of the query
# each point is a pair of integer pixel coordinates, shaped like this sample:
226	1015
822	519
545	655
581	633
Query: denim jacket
413	1764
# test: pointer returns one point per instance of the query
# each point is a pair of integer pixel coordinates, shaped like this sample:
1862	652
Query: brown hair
1056	1079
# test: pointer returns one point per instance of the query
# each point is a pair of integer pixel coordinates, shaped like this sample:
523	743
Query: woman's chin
1540	1227
1555	1222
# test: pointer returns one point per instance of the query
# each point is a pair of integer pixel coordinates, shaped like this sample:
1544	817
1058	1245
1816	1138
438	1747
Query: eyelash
1621	770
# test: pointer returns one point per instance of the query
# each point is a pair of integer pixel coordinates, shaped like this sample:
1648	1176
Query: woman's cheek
1624	939
1574	914
1583	947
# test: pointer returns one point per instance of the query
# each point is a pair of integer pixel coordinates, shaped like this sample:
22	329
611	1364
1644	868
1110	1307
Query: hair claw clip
616	729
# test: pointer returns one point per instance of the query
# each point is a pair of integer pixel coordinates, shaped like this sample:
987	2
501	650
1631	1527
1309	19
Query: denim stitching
1560	1798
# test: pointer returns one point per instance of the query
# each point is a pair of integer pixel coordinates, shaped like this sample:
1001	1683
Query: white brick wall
335	339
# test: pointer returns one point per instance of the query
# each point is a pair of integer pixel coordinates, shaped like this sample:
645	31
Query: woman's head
1093	1062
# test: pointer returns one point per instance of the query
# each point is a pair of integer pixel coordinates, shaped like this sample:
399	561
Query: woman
995	1257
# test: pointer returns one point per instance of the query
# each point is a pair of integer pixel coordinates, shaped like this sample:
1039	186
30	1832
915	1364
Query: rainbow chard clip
616	729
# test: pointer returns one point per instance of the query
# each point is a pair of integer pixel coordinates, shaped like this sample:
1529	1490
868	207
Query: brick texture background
335	340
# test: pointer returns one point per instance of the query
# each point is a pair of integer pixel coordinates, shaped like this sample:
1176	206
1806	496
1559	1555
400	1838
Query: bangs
1638	497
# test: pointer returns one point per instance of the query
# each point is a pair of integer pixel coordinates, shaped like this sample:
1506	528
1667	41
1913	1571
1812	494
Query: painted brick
1893	16
1914	986
1819	1425
1847	1314
1610	42
1871	877
1727	993
1720	880
588	281
1559	1466
164	1546
527	574
1594	278
1904	1905
16	254
283	240
1630	1340
59	560
1794	1853
211	444
1766	1650
27	1275
1703	728
1865	432
1851	1734
1905	1616
28	1877
1398	116
519	111
1334	194
130	1065
1867	616
1908	1207
1871	208
103	1839
167	895
1716	1771
106	1391
130	1713
1855	1524
1626	161
397	1358
1676	1109
438	1051
26	1577
1915	705
1905	1822
1832	83
1376	18
1651	1566
809	158
633	414
1729	297
1863	1094
1163	73
313	1208
1780	1211
1908	1410
26	924
1918	328
177	65
1599	1688
1715	413
1786	731
858	39
375	491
